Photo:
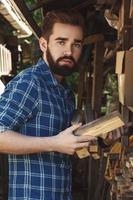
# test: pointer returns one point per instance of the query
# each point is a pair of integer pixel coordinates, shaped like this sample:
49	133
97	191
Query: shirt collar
46	72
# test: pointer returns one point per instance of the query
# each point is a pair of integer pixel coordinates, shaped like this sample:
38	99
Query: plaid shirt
35	104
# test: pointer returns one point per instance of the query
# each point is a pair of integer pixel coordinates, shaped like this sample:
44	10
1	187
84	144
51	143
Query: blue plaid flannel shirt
35	104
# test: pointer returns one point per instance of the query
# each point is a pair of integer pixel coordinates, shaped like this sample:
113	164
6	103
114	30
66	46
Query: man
36	112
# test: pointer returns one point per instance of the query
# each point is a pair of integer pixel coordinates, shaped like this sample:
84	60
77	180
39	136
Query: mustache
66	57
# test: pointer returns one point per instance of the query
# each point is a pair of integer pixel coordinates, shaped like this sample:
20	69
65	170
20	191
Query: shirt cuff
3	128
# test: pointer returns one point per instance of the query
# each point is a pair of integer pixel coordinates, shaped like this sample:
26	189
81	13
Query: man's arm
65	142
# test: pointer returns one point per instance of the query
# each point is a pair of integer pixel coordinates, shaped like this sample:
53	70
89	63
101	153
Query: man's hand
66	142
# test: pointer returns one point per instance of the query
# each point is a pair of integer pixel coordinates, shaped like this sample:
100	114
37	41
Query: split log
101	126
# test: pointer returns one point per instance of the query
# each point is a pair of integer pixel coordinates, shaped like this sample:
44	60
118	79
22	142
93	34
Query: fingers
82	145
74	127
85	138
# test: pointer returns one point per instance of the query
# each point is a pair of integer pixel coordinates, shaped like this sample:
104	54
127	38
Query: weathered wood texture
26	13
101	126
125	31
125	34
97	86
93	39
81	86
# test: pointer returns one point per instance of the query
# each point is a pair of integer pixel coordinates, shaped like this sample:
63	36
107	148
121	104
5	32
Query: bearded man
36	110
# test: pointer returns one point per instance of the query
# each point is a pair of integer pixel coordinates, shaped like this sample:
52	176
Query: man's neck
58	77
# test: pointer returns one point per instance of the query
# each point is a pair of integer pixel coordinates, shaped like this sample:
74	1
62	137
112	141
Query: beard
61	70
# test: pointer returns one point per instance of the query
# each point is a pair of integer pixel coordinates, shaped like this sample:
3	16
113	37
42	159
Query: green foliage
110	94
73	80
37	14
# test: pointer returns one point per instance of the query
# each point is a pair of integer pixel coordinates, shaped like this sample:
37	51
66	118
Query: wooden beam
77	5
124	14
67	4
81	87
93	39
40	4
112	52
84	4
97	85
130	108
125	33
125	29
131	9
104	2
28	16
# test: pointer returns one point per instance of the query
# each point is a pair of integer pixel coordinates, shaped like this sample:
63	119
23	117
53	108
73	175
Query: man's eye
61	42
77	45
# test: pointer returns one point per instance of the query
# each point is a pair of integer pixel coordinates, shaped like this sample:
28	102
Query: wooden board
130	108
131	9
83	153
93	39
97	85
101	126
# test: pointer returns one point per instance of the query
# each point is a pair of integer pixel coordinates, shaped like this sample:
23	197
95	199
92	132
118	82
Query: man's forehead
67	30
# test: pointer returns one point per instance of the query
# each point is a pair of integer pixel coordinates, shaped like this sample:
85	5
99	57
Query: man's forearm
16	143
64	142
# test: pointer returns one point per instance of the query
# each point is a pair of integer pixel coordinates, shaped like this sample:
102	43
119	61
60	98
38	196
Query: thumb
74	127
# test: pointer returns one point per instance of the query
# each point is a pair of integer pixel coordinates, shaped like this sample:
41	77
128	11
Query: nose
68	51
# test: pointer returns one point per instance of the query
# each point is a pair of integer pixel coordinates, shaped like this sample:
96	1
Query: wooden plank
67	4
93	148
26	13
98	77
125	33
81	87
96	156
124	14
83	4
131	9
125	113
93	39
101	126
125	29
130	108
83	153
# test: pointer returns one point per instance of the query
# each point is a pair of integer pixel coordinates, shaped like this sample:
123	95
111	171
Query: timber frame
93	73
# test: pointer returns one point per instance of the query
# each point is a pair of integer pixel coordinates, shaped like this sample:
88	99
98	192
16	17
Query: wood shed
104	85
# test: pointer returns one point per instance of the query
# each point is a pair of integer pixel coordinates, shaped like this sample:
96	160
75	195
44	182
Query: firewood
101	126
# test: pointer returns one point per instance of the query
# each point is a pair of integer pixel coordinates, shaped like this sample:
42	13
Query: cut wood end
83	153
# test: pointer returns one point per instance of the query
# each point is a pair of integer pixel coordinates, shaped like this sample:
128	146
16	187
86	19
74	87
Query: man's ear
43	44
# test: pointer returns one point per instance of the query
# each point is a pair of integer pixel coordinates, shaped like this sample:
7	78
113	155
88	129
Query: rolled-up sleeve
18	102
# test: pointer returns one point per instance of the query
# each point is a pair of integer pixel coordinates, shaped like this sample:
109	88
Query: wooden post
125	33
98	77
81	87
126	25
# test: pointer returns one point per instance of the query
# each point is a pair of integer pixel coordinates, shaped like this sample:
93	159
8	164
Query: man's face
64	48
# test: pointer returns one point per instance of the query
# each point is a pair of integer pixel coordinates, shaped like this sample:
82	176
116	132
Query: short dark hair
61	16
